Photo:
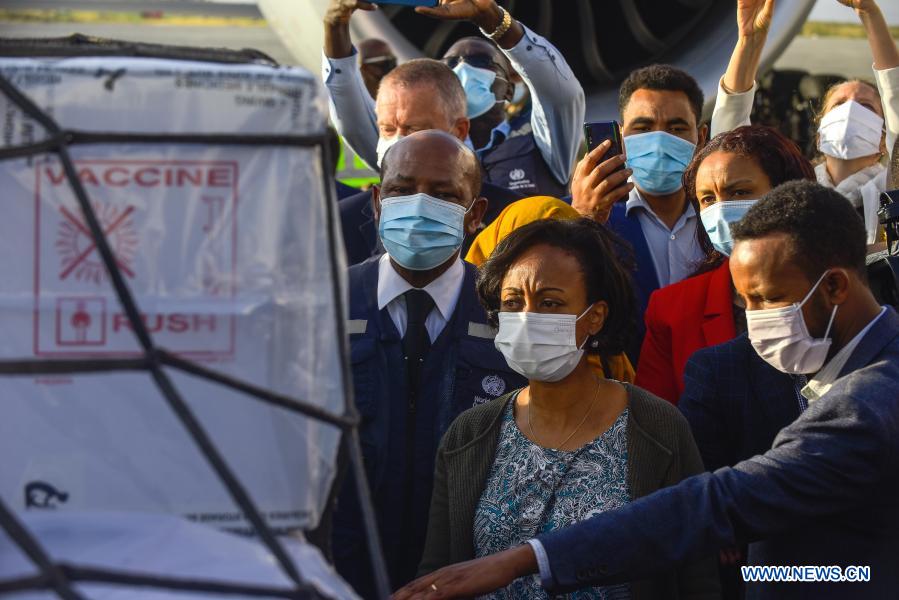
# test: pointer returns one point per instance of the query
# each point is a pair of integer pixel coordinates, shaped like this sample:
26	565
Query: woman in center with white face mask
569	445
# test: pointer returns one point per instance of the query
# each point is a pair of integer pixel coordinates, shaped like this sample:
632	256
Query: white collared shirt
444	291
675	252
821	383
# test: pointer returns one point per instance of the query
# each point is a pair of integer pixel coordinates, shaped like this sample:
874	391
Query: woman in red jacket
732	171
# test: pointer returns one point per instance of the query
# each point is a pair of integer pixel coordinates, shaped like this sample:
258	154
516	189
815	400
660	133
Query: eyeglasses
479	61
385	63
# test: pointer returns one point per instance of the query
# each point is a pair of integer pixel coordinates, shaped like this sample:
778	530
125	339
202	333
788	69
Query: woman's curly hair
605	261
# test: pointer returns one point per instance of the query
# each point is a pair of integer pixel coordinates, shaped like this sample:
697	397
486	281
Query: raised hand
340	11
337	42
883	46
460	10
754	17
486	14
597	184
859	5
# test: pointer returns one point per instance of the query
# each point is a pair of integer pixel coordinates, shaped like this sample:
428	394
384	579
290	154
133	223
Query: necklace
575	430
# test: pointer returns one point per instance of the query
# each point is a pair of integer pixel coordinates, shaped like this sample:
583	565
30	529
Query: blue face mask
659	160
477	84
718	218
419	231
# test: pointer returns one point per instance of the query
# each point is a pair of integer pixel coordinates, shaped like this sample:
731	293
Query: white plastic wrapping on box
155	545
226	251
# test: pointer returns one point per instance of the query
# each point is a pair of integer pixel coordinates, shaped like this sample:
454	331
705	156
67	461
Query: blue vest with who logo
462	369
517	164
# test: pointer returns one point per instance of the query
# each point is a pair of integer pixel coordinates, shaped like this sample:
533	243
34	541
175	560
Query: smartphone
600	131
408	2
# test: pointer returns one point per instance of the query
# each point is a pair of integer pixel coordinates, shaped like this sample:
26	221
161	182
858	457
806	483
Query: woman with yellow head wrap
527	211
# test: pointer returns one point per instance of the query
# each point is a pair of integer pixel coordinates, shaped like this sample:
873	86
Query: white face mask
781	338
850	131
384	144
538	346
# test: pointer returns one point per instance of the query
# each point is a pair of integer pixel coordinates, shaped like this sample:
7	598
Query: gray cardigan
660	452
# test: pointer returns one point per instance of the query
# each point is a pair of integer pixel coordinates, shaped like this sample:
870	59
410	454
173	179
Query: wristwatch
503	27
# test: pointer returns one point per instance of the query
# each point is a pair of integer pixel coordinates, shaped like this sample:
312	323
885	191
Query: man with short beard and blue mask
661	115
421	349
530	160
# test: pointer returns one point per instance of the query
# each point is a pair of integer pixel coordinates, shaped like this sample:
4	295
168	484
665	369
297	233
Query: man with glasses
529	162
376	60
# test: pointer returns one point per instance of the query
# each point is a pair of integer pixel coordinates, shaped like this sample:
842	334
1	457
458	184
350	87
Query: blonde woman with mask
858	121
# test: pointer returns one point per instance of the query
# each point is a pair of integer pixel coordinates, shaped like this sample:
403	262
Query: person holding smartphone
530	163
661	114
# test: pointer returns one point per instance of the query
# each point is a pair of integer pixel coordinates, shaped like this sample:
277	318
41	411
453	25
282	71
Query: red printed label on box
172	229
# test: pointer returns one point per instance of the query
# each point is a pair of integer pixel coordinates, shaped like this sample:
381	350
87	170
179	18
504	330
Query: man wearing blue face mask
419	94
661	114
422	351
530	161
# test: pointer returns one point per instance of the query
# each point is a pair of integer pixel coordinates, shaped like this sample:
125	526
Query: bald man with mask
422	351
417	95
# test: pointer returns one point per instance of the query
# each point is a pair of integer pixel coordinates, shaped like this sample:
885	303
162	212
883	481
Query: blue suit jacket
357	221
735	402
645	278
826	493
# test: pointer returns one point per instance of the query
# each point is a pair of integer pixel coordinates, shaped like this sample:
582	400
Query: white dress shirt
824	379
731	110
675	252
444	291
557	103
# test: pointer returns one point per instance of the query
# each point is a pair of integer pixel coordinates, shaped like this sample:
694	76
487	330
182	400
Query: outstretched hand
472	578
754	17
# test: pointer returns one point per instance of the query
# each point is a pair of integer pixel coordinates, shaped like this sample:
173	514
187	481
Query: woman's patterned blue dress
532	490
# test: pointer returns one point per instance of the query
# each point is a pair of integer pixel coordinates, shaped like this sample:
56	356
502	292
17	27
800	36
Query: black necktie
416	342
